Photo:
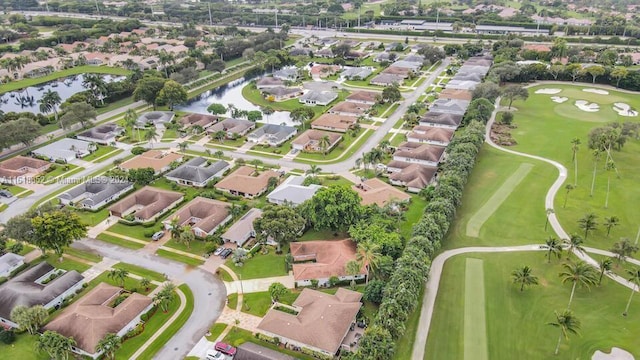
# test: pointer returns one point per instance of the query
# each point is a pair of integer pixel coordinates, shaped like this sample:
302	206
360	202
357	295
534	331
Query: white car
215	355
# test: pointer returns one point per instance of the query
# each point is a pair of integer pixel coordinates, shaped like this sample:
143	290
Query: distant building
95	193
197	172
102	134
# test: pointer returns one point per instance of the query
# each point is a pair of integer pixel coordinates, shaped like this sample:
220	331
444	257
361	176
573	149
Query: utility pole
97	8
210	18
46	5
276	17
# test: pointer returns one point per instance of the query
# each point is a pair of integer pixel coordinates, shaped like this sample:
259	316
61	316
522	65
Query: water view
232	94
26	100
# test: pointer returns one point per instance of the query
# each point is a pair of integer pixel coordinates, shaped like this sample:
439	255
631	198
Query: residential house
320	71
65	150
292	192
233	127
414	176
20	169
325	53
364	97
242	230
309	141
146	204
386	80
286	74
450	106
396	46
322	259
404	64
299	52
333	122
356	73
204	216
355	55
95	193
431	135
282	93
104	134
383	56
440	119
9	262
413	58
399	71
320	321
315	97
269	82
475	69
155	118
478	61
424	154
378	192
97	314
201	120
159	160
253	351
247	181
198	172
456	94
272	135
462	84
42	284
467	76
327	41
349	108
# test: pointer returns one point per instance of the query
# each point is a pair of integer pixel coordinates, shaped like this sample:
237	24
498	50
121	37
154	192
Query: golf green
475	325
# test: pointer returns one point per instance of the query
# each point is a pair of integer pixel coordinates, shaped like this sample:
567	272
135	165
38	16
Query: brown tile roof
350	107
21	165
155	159
376	191
430	133
396	70
243	181
441	118
322	322
456	94
537	47
420	151
368	96
202	213
151	200
330	256
317	69
338	122
311	137
203	120
412	175
90	318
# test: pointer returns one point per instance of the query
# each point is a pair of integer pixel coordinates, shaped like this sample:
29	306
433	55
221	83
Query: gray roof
9	261
319	96
243	226
286	73
462	76
96	190
197	170
274	132
155	118
475	69
462	84
387	79
292	191
281	91
103	132
23	290
452	106
383	56
419	59
62	148
251	351
407	65
361	72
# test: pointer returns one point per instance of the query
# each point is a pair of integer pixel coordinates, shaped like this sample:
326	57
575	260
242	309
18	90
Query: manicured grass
260	266
260	302
517	321
238	336
129	283
86	255
135	231
224	275
339	152
62	73
60	170
170	134
140	271
618	268
534	119
216	330
172	329
92	218
232	301
312	234
196	247
26	248
475	327
66	263
412	215
119	241
181	258
15	190
100	152
23	348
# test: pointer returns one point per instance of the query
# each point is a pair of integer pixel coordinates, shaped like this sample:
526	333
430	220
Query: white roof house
243	229
10	262
292	191
65	150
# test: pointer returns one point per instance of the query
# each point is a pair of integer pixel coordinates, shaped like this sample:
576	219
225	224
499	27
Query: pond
26	100
231	93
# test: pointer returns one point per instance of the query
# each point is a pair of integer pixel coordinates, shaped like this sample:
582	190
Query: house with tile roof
21	169
198	172
309	141
430	135
233	127
364	97
322	259
349	108
413	176
104	134
95	193
204	215
146	204
378	192
247	182
159	160
424	154
438	119
272	135
334	122
242	230
10	262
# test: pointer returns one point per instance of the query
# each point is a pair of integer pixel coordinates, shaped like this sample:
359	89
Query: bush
137	150
7	336
507	118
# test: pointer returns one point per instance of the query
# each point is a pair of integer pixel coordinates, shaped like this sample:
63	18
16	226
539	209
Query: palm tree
524	276
368	255
634	279
352	268
118	275
314	170
575	146
568	188
568	324
610	222
150	135
608	167
324	144
596	157
175	228
574	243
144	282
130	118
605	265
183	146
55	345
588	223
96	85
187	236
546	222
235	210
266	111
578	273
553	248
49	103
165	59
108	345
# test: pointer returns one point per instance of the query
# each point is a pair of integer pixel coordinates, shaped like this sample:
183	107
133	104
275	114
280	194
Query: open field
516	321
475	326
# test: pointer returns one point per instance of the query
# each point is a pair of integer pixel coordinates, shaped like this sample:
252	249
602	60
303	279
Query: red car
225	348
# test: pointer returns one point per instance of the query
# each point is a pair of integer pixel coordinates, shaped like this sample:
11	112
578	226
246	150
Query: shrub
7	336
137	150
507	118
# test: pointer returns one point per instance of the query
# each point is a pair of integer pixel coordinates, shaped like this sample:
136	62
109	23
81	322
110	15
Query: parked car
225	348
215	355
6	193
225	254
218	251
157	236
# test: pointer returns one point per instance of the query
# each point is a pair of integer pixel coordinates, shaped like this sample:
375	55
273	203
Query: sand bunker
548	91
559	99
624	109
596	91
616	354
587	106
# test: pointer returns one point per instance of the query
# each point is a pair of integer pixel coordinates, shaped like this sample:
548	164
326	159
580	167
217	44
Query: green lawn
259	303
517	321
25	247
23	348
119	241
15	190
196	247
216	330
238	336
66	263
59	170
312	234
93	218
181	258
260	266
339	152
538	114
129	283
135	231
412	215
140	271
61	74
86	255
99	155
170	134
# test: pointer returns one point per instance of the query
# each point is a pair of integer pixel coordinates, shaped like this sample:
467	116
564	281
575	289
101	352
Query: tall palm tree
567	323
108	345
574	243
187	236
605	265
49	103
150	135
634	278
352	268
610	222
324	143
174	228
183	146
588	223
96	85
314	170
546	222
554	247
608	167
368	255
578	273
596	157
568	188
118	275
524	276
130	118
575	146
